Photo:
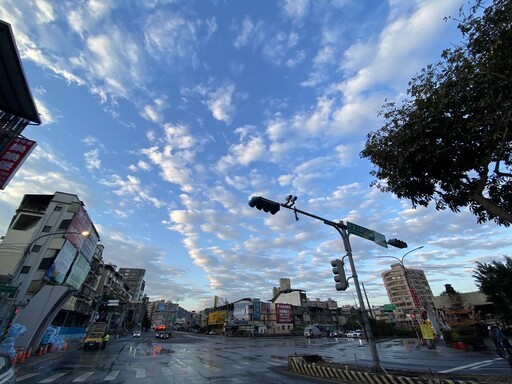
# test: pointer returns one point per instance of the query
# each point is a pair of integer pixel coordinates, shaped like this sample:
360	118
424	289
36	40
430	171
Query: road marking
140	373
212	367
53	378
166	371
271	362
111	376
468	366
83	377
27	376
181	363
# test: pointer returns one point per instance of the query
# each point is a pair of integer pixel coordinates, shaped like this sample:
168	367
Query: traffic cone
21	356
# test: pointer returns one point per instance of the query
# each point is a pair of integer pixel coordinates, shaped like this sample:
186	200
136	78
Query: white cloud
92	160
219	102
296	9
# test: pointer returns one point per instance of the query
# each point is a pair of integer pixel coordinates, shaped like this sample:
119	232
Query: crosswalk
132	373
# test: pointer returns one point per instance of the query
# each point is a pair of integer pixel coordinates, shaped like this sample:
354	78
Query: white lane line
166	371
111	376
271	362
181	363
53	378
468	366
84	376
25	377
140	373
212	367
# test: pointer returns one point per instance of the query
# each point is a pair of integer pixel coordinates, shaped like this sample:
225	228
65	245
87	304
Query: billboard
12	157
284	313
60	267
217	318
80	223
89	245
241	311
78	273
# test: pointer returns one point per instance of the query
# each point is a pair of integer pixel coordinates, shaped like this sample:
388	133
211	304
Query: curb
318	368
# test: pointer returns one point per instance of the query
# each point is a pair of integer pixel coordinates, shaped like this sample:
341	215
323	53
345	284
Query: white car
354	334
136	334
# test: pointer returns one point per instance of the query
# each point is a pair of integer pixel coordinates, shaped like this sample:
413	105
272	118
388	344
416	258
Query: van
311	331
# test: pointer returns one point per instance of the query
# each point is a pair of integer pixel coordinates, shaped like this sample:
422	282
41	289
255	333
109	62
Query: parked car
339	334
136	334
212	333
7	375
354	334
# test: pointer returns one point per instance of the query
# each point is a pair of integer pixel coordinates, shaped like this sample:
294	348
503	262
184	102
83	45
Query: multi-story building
408	289
134	278
45	258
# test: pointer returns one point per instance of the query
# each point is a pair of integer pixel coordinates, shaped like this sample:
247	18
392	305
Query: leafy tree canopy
495	281
449	142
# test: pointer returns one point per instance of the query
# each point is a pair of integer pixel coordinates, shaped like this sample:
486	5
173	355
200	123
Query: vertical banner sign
80	223
62	263
256	309
12	157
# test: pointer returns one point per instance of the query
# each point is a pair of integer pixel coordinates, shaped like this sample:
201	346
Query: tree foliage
449	142
495	281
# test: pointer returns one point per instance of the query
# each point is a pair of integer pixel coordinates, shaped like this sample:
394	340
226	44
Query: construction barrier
315	366
20	356
28	353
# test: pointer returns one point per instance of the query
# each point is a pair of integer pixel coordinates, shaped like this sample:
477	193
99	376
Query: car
136	334
212	333
7	375
338	334
354	334
162	335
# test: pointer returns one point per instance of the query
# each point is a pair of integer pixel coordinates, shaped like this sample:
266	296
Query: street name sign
369	234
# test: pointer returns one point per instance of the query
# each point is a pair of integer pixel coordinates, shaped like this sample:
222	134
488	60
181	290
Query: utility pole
273	207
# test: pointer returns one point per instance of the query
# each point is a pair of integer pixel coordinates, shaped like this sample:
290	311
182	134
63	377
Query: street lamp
401	260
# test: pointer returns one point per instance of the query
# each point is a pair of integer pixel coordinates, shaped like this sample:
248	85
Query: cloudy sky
166	116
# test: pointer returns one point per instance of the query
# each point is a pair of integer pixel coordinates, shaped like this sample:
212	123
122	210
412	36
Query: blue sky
165	117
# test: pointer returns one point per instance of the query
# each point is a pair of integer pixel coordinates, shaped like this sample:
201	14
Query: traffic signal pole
273	207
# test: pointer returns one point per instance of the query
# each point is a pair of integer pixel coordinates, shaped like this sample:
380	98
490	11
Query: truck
95	337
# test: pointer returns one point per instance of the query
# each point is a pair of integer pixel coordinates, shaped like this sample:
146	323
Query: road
191	358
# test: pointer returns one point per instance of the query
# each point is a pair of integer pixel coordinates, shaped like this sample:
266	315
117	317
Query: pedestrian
105	340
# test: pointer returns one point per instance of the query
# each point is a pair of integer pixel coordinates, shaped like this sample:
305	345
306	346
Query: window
65	224
46	263
58	208
47	228
26	222
25	269
35	248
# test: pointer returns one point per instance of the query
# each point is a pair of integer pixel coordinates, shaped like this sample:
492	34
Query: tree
449	142
495	281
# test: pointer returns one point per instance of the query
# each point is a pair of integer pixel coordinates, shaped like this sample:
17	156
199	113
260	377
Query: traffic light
397	243
339	275
265	204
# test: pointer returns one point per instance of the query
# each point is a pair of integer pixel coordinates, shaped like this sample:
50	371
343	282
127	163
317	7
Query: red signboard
12	157
80	223
284	313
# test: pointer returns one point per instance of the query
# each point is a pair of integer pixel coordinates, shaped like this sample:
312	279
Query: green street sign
389	307
7	288
368	234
